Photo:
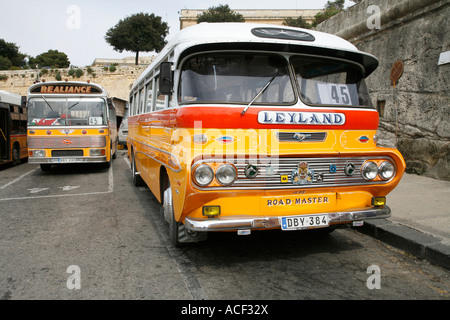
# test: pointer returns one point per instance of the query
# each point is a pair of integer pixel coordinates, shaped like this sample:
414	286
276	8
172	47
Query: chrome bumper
63	160
261	222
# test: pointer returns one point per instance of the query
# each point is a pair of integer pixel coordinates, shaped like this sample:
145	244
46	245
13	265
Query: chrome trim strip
171	155
269	222
284	167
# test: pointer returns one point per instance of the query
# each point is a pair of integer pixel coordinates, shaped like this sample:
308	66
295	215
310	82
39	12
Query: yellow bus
13	128
241	127
70	122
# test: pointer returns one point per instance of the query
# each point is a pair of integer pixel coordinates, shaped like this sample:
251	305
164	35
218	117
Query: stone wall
415	115
270	16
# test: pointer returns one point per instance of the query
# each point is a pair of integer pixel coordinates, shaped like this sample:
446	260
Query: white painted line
110	189
57	196
110	179
17	179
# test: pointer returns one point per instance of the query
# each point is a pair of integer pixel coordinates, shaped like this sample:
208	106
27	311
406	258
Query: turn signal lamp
378	201
211	211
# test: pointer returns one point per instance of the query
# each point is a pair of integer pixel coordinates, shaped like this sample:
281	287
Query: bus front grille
67	153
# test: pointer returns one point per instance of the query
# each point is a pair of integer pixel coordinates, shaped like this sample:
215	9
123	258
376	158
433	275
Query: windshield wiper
75	103
260	92
47	103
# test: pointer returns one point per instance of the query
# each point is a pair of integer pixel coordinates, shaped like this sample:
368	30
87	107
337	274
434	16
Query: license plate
63	160
304	222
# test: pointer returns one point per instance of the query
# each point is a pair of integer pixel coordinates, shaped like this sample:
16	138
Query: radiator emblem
302	175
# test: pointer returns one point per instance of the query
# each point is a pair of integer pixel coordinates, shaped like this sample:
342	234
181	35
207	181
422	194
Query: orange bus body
276	159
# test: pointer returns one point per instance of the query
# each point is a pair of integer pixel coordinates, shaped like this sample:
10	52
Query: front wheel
136	177
178	233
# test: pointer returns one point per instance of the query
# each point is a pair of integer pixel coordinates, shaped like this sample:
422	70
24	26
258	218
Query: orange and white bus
13	128
70	122
241	127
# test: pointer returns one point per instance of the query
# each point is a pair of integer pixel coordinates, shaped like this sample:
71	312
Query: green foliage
71	72
51	58
331	8
221	13
58	76
139	32
112	68
10	51
79	73
297	22
5	63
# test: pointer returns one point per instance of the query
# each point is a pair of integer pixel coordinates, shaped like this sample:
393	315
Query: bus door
4	134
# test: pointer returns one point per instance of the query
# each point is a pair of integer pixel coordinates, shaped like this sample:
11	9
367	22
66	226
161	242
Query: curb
417	243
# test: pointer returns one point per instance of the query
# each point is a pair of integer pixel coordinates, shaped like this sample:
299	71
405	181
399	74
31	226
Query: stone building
128	61
415	114
272	16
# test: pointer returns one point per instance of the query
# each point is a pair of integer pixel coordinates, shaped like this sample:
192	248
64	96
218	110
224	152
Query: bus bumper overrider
273	222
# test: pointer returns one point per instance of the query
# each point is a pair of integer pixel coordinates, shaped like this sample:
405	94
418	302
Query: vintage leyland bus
241	127
70	122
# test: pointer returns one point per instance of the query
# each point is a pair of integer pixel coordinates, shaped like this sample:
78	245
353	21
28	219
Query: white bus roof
11	98
251	33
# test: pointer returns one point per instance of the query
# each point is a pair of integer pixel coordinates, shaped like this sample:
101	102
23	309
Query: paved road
87	227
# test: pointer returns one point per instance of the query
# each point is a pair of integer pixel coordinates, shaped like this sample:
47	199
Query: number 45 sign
331	93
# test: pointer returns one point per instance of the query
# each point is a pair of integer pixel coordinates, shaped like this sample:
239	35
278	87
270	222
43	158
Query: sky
78	27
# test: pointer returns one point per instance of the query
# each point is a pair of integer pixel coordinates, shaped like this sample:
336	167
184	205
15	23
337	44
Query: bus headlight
38	153
386	170
369	170
203	175
226	174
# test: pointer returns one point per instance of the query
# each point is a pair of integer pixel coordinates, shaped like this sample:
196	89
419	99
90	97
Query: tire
135	176
179	235
16	155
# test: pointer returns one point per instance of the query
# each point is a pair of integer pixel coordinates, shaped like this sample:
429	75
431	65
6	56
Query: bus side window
149	96
160	99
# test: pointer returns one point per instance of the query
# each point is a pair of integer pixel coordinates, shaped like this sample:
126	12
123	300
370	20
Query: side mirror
110	103
166	78
23	102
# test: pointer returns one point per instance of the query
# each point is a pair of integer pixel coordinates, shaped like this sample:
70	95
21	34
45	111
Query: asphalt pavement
420	219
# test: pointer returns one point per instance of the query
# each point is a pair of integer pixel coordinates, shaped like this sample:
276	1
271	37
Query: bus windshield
328	82
236	78
79	111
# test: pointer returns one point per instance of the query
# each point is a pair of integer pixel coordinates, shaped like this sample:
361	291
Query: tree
51	58
331	8
10	51
139	32
5	63
221	13
297	22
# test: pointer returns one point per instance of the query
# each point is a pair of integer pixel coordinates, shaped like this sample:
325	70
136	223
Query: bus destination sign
66	89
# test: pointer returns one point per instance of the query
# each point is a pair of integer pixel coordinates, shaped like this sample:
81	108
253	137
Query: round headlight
369	170
386	170
203	175
226	174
